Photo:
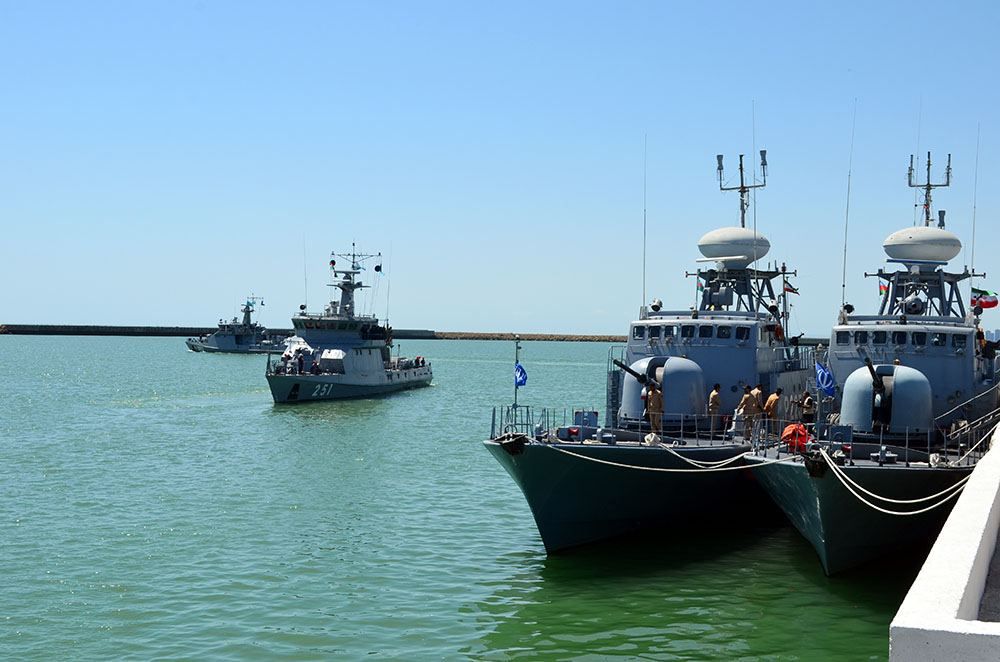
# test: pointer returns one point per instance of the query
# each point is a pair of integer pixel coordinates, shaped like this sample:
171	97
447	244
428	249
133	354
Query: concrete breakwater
188	331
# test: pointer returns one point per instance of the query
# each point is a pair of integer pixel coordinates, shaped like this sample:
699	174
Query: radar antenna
927	186
744	188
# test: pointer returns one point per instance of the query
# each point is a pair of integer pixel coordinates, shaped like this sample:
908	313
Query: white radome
922	243
734	247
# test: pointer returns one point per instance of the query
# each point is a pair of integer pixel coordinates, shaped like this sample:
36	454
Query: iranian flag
984	298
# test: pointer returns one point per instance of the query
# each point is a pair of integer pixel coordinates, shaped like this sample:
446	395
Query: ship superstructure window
704	331
668	331
899	337
743	333
725	332
939	339
638	332
860	337
958	341
654	332
879	337
843	337
687	331
919	337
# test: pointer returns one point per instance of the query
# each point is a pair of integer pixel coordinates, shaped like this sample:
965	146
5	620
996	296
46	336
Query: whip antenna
643	303
847	210
975	187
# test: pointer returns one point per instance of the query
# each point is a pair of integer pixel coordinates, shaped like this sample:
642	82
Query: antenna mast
744	188
643	219
847	210
928	186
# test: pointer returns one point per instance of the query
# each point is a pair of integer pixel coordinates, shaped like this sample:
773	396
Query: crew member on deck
654	408
750	409
771	411
714	405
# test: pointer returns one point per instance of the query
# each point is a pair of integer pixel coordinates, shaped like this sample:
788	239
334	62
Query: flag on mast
984	298
788	287
520	375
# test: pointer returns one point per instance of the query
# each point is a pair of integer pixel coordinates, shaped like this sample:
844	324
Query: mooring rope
929	508
840	472
668	469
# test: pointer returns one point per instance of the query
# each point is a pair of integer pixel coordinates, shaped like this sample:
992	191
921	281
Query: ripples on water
155	503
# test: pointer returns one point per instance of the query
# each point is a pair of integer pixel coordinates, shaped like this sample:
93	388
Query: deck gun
639	377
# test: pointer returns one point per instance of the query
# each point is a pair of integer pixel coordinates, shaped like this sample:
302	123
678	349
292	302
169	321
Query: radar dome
922	243
734	247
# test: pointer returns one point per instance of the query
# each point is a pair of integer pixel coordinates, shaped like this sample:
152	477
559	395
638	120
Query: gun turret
639	377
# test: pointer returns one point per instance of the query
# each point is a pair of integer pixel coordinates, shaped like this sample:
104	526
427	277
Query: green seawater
154	503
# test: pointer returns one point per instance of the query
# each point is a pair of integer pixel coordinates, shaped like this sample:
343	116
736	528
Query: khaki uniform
750	406
771	411
714	406
654	408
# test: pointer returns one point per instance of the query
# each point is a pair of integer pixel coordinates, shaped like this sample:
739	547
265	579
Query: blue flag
824	379
520	375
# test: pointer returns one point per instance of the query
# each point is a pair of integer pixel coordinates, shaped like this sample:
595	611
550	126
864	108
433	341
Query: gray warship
240	336
586	481
914	403
340	354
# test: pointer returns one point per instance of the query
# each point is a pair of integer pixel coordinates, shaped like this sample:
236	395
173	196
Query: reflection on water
733	594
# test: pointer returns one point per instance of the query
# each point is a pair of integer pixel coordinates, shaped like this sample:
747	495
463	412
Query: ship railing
524	419
992	390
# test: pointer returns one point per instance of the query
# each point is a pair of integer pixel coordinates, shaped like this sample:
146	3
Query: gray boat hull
311	388
576	501
198	346
845	532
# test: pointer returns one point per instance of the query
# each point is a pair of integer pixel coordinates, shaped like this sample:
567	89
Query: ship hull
311	388
576	501
846	532
196	346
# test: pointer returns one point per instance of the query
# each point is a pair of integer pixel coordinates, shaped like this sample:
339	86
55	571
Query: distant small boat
338	354
240	337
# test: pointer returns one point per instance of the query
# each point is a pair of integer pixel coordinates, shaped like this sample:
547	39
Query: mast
927	186
744	188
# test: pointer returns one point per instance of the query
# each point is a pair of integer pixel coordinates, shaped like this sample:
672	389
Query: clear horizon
163	161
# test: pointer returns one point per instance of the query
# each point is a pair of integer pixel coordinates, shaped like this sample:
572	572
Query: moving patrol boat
917	398
240	337
587	482
339	354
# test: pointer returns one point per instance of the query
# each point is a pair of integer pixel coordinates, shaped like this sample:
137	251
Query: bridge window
879	337
860	337
843	337
939	339
743	333
654	332
668	331
958	341
638	332
725	332
919	337
687	331
705	331
899	337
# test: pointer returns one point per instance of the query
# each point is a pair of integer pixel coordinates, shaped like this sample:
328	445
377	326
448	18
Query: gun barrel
876	378
639	377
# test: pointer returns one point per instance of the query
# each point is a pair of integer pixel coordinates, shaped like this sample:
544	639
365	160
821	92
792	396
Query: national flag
882	288
984	298
824	379
788	288
700	286
520	375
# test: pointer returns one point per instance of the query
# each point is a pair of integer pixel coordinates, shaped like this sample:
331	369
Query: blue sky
162	160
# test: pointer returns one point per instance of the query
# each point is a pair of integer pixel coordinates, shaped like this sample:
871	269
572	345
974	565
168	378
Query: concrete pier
949	613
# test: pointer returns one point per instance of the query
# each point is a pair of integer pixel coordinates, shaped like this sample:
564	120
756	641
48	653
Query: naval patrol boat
587	481
916	391
240	337
340	354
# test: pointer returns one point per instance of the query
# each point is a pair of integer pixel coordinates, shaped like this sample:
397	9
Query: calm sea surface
155	503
